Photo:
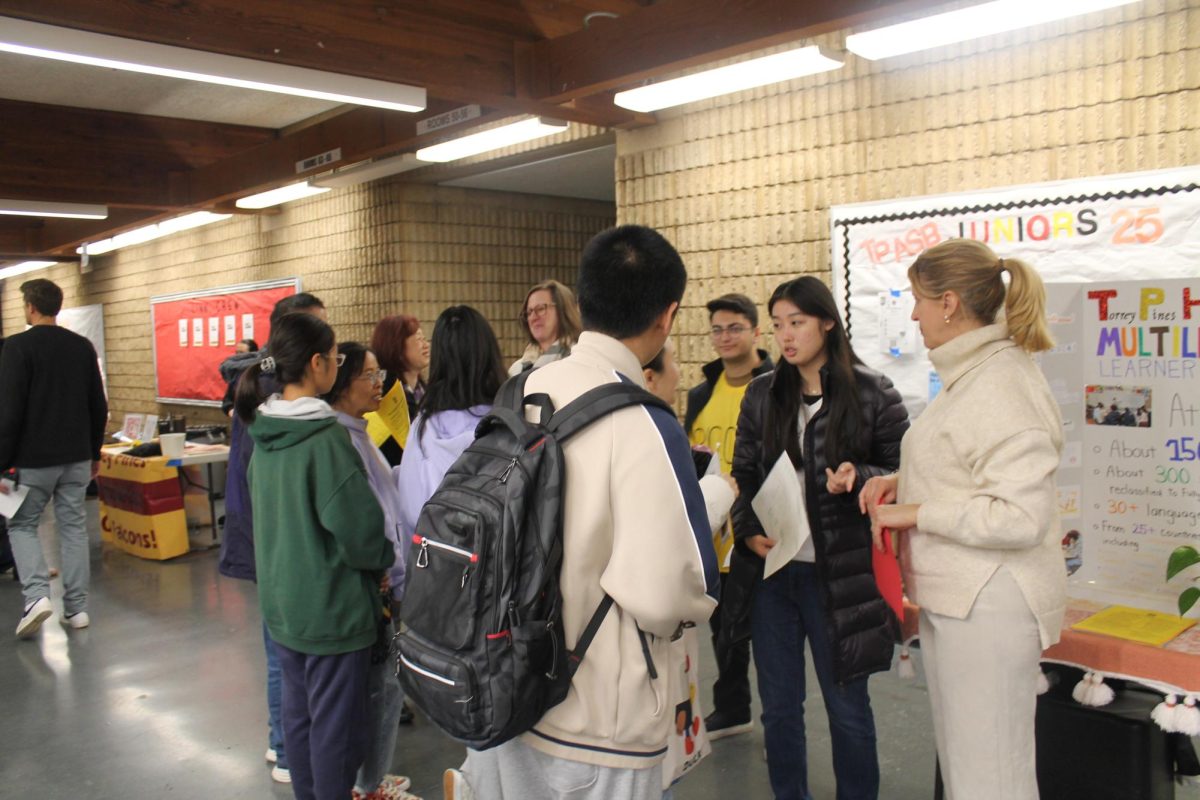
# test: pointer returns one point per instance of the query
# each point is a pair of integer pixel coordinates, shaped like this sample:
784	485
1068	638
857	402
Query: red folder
887	574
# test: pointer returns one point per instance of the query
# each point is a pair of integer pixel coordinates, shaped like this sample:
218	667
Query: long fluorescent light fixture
101	50
969	23
737	77
368	171
150	232
284	194
34	208
23	267
493	139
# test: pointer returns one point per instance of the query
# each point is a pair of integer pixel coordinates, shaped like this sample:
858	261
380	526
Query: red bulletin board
195	331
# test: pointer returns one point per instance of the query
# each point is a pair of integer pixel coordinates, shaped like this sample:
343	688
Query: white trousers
982	676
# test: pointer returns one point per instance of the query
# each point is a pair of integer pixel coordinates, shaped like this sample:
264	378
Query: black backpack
481	651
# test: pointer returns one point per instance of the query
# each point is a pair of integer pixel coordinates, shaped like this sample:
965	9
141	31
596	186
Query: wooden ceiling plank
353	37
676	34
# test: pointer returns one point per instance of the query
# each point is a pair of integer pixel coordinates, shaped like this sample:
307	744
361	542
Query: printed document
10	503
779	505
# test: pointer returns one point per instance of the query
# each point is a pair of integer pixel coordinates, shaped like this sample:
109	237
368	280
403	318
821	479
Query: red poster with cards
195	331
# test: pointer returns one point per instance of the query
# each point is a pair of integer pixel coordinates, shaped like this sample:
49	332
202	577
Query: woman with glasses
465	373
320	554
836	423
403	352
357	390
550	319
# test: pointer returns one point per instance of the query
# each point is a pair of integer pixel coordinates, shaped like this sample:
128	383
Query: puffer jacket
861	626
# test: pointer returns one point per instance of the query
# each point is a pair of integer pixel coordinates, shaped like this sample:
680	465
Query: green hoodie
319	544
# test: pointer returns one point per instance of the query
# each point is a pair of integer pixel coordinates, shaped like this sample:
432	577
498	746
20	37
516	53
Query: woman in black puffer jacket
839	423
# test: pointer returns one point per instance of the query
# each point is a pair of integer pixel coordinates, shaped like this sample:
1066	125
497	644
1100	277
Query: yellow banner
391	420
157	536
130	468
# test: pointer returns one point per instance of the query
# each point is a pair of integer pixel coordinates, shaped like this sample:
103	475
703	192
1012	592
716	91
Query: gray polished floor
163	696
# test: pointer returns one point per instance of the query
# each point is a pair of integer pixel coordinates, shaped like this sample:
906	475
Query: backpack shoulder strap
512	393
599	402
589	633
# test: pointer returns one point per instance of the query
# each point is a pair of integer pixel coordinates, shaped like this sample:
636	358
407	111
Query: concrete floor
164	697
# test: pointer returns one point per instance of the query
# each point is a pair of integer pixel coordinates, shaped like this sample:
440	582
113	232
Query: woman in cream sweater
975	510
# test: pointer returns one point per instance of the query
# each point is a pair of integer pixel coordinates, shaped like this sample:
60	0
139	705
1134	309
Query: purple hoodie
383	484
426	462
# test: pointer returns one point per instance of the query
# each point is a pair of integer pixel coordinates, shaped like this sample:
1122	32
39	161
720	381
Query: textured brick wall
367	251
742	184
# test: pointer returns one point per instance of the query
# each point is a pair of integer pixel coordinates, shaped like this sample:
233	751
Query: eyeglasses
378	376
536	311
729	330
339	359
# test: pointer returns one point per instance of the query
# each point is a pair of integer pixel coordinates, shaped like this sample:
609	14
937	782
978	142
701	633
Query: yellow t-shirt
716	428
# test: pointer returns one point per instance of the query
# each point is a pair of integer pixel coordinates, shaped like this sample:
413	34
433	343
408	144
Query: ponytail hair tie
267	365
1001	265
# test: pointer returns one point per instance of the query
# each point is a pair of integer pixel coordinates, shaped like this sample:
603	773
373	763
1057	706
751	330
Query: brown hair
388	342
970	269
569	324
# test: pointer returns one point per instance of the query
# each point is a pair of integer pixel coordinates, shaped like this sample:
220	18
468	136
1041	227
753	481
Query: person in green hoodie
320	555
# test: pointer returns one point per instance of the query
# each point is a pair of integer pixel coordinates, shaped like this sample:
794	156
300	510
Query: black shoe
406	714
720	725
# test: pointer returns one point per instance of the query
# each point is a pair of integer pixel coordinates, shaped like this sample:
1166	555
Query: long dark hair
841	401
295	339
351	368
465	367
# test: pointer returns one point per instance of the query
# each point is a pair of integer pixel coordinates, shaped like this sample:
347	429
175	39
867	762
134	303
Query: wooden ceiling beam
677	34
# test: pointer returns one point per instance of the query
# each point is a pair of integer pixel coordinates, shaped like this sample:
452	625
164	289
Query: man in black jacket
711	420
51	427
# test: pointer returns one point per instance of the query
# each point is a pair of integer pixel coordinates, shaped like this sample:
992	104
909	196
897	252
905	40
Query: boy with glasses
711	419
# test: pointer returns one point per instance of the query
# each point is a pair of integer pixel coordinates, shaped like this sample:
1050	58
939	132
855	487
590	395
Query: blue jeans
274	698
789	607
67	485
385	697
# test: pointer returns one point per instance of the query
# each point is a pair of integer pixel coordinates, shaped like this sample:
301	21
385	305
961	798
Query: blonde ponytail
1025	306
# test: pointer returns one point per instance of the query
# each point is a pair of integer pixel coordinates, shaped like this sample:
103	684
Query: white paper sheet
10	503
779	505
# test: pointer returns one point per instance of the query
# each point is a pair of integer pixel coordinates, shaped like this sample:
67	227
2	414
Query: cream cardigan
981	461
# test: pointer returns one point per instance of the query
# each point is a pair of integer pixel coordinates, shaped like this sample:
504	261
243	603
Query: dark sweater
53	410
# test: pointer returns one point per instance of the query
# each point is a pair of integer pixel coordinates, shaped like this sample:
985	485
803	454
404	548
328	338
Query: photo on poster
1127	407
1072	550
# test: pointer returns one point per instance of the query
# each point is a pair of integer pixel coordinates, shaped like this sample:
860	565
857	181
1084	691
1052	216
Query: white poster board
88	322
1116	227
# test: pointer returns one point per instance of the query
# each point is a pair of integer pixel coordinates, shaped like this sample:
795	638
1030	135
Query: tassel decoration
1187	717
1101	694
1164	714
1043	683
1081	689
904	667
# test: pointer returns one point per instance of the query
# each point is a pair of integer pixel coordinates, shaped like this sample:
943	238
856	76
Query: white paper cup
172	444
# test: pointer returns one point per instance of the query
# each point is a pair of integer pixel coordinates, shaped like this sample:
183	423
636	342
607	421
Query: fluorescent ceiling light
32	208
150	232
733	78
23	267
100	50
284	194
965	24
493	139
368	171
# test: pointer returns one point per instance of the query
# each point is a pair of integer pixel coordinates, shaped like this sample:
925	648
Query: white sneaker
271	755
33	617
281	775
455	786
79	619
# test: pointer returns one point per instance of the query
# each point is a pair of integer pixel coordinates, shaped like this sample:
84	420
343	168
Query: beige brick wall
742	184
368	251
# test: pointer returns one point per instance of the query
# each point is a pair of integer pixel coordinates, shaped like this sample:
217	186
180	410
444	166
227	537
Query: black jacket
698	395
53	410
861	626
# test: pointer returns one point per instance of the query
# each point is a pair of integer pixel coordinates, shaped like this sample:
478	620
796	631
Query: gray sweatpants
66	485
515	771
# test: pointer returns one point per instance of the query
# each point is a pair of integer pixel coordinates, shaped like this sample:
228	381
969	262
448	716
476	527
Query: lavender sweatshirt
383	483
427	459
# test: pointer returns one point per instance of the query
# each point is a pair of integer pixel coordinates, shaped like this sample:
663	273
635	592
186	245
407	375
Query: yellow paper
1135	624
391	420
